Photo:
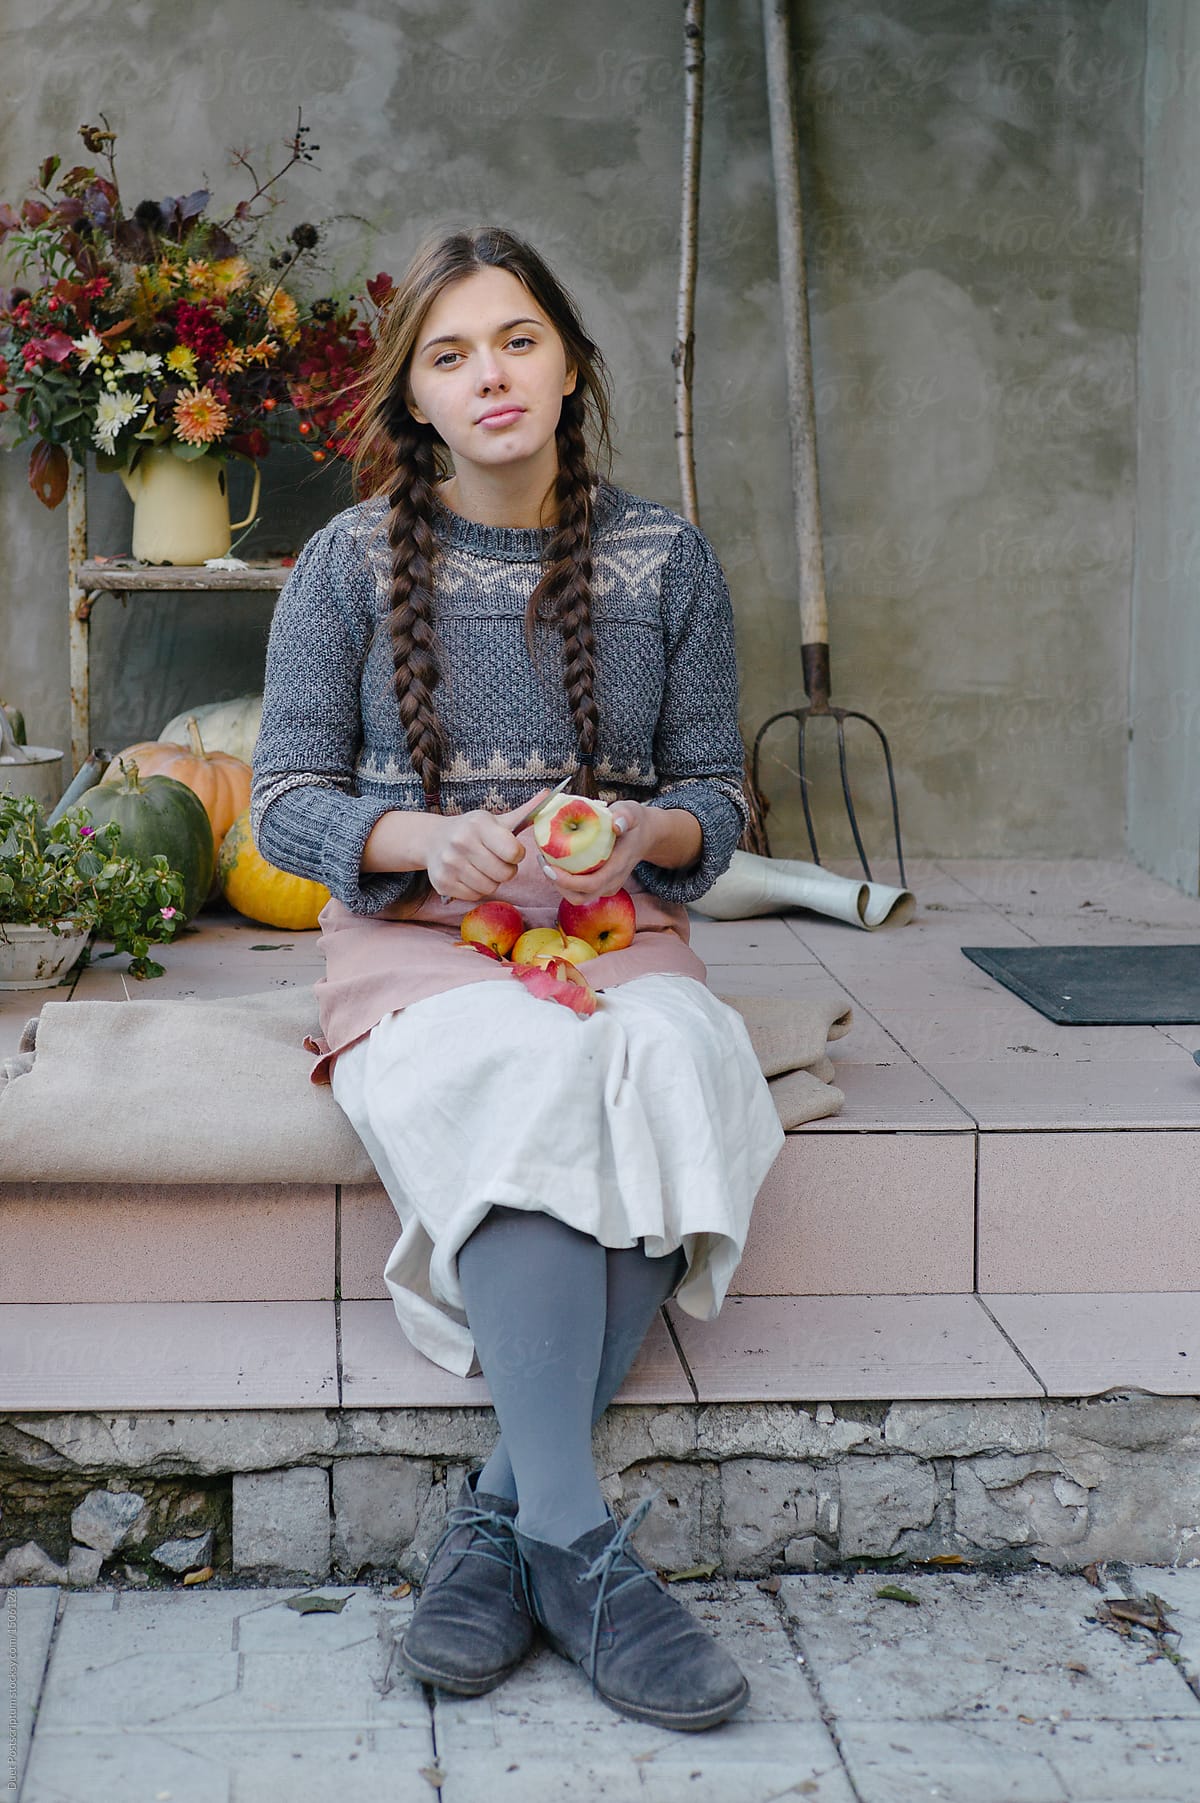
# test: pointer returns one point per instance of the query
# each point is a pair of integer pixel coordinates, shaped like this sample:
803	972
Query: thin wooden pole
793	287
79	607
754	838
685	336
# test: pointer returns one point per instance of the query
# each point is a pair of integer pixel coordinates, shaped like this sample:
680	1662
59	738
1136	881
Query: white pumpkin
230	726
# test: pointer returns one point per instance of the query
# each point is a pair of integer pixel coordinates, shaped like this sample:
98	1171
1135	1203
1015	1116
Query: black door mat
1099	985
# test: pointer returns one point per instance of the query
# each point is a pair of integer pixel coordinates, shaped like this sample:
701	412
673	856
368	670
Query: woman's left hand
636	827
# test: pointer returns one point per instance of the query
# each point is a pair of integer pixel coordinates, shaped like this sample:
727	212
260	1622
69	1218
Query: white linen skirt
650	1119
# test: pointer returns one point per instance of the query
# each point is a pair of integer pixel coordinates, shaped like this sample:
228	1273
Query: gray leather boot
473	1624
600	1605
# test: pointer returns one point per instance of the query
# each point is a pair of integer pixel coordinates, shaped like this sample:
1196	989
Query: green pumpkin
160	815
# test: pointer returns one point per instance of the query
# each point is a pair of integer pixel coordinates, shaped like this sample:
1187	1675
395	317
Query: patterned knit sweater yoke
332	755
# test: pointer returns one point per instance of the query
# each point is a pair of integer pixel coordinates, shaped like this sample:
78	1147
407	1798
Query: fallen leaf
693	1571
893	1593
401	1589
1143	1614
1077	1665
317	1605
771	1585
199	1577
433	1774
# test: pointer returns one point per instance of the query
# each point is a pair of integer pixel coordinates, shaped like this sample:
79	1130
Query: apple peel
557	980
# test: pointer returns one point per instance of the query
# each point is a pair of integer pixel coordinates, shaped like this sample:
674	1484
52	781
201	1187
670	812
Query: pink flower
168	913
85	832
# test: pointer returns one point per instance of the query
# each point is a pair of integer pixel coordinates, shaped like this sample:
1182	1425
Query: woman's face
495	349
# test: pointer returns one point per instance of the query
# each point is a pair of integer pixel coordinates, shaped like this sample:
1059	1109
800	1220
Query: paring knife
535	807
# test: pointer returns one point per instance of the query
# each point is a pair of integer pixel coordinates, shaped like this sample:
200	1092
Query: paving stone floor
991	1686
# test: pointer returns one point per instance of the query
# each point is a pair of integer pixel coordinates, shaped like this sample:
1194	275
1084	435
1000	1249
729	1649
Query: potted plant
60	883
167	342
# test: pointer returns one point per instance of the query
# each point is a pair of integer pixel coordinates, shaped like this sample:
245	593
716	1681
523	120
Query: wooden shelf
119	576
88	579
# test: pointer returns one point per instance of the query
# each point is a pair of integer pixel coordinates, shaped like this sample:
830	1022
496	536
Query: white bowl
36	958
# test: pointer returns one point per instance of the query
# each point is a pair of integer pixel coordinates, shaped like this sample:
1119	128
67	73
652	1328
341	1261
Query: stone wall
740	1490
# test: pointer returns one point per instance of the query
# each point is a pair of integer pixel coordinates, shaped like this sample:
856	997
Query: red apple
558	981
607	922
575	833
496	924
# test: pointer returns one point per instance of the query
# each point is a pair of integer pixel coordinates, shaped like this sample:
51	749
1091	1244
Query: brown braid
409	622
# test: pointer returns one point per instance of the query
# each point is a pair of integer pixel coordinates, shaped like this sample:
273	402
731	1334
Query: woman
557	1177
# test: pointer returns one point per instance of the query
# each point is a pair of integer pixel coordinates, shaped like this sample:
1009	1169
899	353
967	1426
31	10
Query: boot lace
606	1565
495	1530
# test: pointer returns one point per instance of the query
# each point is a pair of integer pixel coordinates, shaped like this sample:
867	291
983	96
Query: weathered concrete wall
972	190
747	1487
1164	757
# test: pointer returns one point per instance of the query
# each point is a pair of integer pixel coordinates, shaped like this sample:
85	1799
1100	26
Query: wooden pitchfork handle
793	283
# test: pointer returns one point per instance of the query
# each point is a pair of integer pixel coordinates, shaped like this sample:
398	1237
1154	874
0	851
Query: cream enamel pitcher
181	507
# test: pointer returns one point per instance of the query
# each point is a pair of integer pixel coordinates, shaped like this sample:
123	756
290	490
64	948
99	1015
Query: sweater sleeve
698	751
304	814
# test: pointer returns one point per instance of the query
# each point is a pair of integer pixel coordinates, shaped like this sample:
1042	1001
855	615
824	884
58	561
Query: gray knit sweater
332	756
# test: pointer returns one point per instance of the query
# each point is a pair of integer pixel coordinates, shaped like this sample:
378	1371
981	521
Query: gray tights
557	1320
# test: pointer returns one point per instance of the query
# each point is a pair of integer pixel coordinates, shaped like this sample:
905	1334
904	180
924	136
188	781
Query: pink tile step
892	1212
218	953
382	1369
1006	1094
837	1348
1089	1212
167	1242
764	939
162	1355
370	1228
893	1095
841	1214
997	1030
1083	1345
1062	886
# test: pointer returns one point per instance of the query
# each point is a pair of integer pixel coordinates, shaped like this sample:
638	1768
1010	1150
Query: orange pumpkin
221	781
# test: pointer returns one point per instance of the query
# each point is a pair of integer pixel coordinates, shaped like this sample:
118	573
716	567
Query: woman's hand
474	854
637	839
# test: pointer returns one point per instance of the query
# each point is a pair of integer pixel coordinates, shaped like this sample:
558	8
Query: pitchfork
814	618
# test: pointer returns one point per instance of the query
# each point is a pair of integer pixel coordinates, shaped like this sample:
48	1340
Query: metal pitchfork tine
816	687
814	616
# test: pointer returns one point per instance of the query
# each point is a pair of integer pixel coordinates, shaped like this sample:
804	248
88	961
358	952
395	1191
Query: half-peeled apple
575	832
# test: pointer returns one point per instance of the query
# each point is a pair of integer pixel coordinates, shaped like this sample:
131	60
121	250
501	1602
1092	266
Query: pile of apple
570	831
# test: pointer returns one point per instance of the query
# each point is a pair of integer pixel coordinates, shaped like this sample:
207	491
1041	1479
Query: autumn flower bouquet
165	329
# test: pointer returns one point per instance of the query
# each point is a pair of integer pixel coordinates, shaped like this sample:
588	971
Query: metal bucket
41	777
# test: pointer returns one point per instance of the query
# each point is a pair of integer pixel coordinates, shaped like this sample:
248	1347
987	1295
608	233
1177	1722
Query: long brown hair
396	456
